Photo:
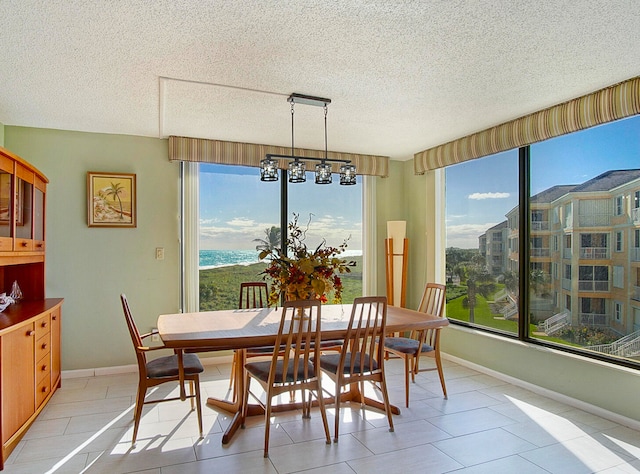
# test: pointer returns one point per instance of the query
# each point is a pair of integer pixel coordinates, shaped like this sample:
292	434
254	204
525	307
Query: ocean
224	258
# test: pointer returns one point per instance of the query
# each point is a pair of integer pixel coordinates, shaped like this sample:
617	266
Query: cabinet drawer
43	368
43	349
6	244
43	326
43	388
22	245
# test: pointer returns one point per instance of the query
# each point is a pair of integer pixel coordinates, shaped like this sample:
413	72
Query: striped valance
249	154
606	105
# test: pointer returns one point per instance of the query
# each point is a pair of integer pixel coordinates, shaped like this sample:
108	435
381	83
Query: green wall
90	267
1	134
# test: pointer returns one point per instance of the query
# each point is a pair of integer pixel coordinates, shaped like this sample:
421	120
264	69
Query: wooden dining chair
361	358
159	371
421	343
294	367
253	294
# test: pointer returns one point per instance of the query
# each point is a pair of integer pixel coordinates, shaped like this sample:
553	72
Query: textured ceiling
403	76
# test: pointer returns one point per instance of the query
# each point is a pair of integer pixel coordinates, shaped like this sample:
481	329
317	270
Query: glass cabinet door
38	225
5	204
24	208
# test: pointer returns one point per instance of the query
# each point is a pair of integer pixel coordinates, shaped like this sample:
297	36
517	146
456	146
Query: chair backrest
253	294
365	335
433	299
135	335
298	339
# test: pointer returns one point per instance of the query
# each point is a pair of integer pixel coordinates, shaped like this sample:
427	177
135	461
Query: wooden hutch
30	328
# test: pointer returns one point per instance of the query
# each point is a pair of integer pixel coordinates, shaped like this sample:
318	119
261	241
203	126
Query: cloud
466	235
480	196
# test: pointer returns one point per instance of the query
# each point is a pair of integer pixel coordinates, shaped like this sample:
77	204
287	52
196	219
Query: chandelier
297	166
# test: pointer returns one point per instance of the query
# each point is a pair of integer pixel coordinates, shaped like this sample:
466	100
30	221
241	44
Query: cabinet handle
44	368
24	244
54	317
39	245
31	333
44	325
45	389
44	345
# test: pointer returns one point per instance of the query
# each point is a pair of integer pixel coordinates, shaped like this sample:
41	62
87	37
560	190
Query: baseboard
559	397
133	368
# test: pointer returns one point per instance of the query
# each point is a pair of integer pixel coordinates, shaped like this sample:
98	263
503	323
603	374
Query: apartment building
585	252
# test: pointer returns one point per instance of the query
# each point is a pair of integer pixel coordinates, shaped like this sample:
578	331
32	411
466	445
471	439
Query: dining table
242	329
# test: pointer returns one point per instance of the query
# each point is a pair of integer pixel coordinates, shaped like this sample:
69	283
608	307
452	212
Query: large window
585	184
481	207
239	214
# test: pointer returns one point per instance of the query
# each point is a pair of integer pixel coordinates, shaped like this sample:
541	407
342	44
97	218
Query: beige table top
245	328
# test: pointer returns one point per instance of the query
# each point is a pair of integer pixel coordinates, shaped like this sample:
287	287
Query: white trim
191	236
369	224
559	397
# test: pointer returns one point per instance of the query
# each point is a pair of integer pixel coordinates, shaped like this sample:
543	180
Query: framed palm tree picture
111	199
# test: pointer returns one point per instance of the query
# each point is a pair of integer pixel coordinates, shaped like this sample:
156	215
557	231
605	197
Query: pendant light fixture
297	166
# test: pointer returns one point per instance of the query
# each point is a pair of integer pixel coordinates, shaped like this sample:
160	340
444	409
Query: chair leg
138	412
323	413
337	405
245	396
407	369
440	373
198	404
267	425
387	405
191	397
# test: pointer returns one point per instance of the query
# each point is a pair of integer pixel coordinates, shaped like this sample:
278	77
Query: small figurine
16	292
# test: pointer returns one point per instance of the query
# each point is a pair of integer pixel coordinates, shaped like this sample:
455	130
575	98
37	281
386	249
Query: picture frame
111	199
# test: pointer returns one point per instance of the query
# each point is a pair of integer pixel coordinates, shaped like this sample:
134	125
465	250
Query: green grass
219	287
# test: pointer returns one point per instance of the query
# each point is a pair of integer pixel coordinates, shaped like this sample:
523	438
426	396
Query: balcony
540	252
635	215
566	253
594	253
636	293
594	320
539	225
635	254
594	286
566	284
594	220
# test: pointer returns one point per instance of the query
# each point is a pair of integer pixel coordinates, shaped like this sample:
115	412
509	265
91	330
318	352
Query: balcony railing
566	253
636	293
594	320
539	225
566	284
594	253
635	215
593	286
635	254
540	252
594	220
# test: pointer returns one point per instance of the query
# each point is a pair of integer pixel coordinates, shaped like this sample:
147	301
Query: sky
236	208
479	193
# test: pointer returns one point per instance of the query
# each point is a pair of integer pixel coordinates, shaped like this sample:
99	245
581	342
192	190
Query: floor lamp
396	250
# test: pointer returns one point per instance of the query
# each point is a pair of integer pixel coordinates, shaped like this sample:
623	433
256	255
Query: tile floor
486	426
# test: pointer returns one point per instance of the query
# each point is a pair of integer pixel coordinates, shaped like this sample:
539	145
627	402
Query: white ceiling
402	75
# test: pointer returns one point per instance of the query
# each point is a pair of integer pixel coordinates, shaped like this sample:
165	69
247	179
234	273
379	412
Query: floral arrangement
303	274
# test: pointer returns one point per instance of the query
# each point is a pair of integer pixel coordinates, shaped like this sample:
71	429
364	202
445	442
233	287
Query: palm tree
114	191
272	240
479	281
